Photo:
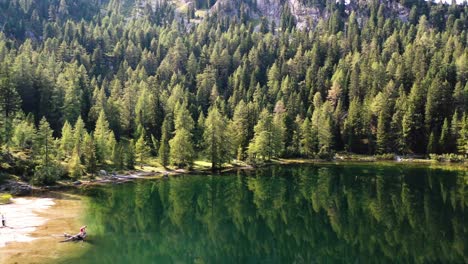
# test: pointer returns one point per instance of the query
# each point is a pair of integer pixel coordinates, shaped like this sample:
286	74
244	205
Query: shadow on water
283	214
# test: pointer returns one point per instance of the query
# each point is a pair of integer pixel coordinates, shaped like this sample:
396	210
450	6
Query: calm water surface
286	214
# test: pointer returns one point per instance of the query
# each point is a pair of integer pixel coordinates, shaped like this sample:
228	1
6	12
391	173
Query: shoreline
36	225
155	174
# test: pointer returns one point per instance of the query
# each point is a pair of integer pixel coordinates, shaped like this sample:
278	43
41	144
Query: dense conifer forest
90	84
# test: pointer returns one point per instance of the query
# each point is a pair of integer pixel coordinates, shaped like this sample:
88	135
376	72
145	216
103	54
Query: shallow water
353	213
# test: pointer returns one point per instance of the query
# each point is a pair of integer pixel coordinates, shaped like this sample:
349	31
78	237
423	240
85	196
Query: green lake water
353	213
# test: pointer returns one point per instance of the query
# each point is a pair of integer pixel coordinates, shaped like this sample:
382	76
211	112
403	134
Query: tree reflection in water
284	214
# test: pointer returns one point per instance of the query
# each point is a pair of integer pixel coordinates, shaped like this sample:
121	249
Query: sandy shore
36	225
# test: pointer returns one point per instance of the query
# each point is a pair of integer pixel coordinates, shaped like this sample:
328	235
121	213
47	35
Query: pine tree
432	144
240	125
164	148
353	127
24	133
181	150
267	141
142	150
67	141
455	132
89	154
216	139
44	143
325	131
444	141
10	103
102	134
117	156
382	138
181	147
308	146
48	171
75	169
413	121
79	132
462	142
130	155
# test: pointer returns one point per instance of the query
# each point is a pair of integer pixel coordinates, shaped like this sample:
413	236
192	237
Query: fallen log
77	237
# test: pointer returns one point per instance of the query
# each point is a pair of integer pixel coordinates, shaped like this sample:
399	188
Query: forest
92	84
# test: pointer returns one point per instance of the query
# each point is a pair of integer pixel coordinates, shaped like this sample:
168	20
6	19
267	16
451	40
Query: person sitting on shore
82	233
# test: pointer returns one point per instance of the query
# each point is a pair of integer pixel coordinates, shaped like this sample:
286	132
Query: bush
387	156
5	198
447	158
326	154
48	175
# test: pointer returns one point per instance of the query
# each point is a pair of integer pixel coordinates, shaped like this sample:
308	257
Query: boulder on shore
16	188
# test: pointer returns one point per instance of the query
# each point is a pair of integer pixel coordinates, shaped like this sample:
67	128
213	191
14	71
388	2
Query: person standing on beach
3	221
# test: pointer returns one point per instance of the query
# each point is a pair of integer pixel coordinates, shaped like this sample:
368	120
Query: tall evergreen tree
164	148
142	150
216	138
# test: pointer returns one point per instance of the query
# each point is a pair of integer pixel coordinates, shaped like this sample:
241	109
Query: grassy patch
5	198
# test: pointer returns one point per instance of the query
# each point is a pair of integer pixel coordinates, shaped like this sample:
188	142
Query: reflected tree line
283	214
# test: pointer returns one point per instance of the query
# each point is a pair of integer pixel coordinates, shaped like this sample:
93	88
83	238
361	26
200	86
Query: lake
351	213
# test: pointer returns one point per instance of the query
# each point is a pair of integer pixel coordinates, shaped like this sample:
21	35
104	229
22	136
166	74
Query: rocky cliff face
305	15
269	9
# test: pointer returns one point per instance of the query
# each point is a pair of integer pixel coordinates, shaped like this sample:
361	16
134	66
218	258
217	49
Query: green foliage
5	198
89	154
181	149
103	138
386	156
75	168
332	85
217	139
142	150
130	155
268	139
181	146
448	158
164	148
24	134
48	174
67	141
44	145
